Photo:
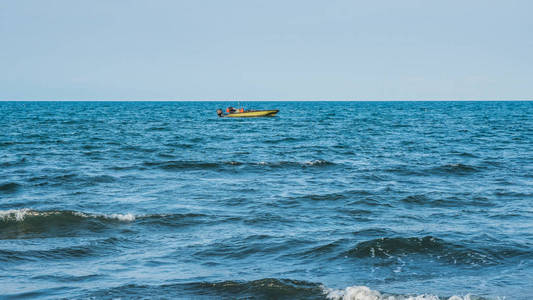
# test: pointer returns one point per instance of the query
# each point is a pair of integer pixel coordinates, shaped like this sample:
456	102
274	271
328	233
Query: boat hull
253	114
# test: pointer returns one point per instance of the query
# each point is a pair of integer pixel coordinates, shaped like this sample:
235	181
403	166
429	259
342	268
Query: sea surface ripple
327	200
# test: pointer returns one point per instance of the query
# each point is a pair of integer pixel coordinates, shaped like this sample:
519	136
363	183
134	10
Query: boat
241	113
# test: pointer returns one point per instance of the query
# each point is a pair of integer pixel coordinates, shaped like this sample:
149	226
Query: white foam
316	162
121	217
16	214
19	215
365	293
354	293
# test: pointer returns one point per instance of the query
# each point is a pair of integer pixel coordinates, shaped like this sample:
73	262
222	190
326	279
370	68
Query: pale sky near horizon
266	50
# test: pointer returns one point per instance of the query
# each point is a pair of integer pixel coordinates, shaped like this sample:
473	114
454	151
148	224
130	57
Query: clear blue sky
266	50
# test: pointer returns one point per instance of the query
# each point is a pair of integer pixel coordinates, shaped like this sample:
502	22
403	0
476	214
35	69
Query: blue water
325	200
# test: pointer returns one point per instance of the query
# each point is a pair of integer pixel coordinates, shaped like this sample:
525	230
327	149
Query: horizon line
257	100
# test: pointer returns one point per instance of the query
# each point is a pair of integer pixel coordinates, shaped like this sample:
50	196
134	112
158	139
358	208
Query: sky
266	50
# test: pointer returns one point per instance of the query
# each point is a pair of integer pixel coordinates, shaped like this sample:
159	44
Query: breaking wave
29	215
267	288
27	223
20	223
365	293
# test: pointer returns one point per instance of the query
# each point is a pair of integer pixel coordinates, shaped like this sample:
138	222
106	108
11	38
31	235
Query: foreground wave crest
365	293
267	288
20	215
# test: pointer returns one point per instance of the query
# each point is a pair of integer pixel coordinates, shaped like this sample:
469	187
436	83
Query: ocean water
327	200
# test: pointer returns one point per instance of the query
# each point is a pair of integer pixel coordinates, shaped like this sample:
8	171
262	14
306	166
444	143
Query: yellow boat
248	113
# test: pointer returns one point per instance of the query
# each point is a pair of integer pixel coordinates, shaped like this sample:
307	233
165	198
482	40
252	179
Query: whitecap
365	293
16	214
19	215
121	217
353	293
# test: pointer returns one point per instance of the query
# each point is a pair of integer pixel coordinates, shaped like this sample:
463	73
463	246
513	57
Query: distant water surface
325	200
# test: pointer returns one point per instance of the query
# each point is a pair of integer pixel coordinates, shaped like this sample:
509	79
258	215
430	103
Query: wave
166	155
27	223
135	148
323	197
91	147
311	163
7	143
13	163
173	220
455	169
332	196
386	248
324	250
88	249
447	169
26	214
23	223
465	154
101	179
373	231
177	165
267	288
179	145
199	165
71	178
252	246
319	162
333	249
283	140
158	128
365	293
57	253
449	201
404	170
9	187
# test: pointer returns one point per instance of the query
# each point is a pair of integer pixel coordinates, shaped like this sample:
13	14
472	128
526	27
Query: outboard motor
219	112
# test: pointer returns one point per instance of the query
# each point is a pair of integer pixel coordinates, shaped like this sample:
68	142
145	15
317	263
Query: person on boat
230	110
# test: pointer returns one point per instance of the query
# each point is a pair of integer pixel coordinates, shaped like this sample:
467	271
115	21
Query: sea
326	200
